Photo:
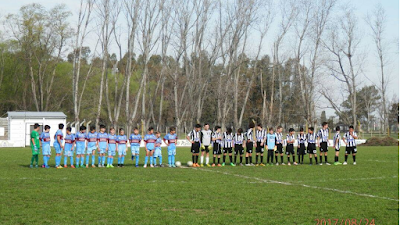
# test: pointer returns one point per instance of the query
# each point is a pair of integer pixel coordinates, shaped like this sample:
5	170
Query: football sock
247	160
288	159
119	160
336	158
99	160
230	158
298	156
122	160
294	158
108	161
261	159
170	160
193	158
268	157
281	159
173	159
197	158
87	159
58	160
302	158
155	160
207	160
160	160
137	159
82	159
241	159
151	159
354	158
214	160
276	159
235	159
256	159
316	160
77	161
223	158
93	158
146	159
104	159
65	160
326	159
251	159
33	158
320	158
310	160
219	160
201	159
72	160
37	159
345	158
112	160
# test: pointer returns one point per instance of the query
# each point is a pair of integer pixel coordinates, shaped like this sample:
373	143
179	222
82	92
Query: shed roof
22	115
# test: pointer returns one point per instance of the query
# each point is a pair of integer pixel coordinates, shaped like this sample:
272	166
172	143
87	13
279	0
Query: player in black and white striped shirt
261	137
279	145
249	145
301	147
311	149
216	139
289	147
194	137
239	142
336	143
322	143
349	139
227	138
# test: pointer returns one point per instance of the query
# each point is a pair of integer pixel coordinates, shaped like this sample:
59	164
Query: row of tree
176	62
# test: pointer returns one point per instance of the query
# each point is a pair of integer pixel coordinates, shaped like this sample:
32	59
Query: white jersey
350	141
206	137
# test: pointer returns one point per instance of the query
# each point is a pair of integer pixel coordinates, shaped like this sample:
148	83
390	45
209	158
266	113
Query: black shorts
279	148
301	149
311	148
249	147
216	149
289	149
323	147
227	150
239	150
206	148
259	148
351	150
195	148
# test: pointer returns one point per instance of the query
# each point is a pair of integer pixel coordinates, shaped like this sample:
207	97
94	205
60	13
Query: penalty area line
301	185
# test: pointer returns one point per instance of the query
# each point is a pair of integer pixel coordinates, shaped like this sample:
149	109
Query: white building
20	126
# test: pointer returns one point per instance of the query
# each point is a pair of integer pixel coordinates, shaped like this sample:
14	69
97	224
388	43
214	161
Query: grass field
227	195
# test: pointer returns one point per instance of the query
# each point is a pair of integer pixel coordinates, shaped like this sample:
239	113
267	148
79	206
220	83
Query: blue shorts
121	149
90	149
102	149
171	150
46	150
80	150
58	148
157	153
135	149
69	153
111	152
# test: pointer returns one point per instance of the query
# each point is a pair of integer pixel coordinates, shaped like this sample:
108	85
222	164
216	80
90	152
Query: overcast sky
362	8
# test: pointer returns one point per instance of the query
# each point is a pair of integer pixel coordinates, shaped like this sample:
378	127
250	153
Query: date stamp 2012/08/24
348	221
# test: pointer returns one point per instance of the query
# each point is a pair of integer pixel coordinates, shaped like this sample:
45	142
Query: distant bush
386	141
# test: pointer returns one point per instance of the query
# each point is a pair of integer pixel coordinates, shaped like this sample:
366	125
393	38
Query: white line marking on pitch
302	185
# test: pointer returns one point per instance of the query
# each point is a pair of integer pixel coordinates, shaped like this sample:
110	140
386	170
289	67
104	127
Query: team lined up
227	142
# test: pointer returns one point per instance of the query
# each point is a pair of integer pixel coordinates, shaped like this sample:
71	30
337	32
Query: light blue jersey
56	144
102	138
112	141
157	145
45	138
271	141
80	139
92	141
171	138
121	140
69	141
150	139
135	140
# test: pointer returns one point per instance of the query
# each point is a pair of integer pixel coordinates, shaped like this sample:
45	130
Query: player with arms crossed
134	141
205	144
323	143
194	138
349	139
58	146
170	140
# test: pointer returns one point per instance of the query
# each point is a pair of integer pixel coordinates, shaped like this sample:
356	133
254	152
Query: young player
102	142
205	144
149	139
134	141
271	144
91	146
301	147
249	145
170	140
157	151
323	143
217	139
194	138
311	149
46	150
80	139
69	148
289	147
57	144
35	145
121	140
227	146
279	146
336	143
261	137
112	146
349	139
239	143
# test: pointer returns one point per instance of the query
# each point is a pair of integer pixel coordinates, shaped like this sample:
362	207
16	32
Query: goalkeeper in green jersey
35	145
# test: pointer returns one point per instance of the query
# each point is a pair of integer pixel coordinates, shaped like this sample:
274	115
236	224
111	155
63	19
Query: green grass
228	195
